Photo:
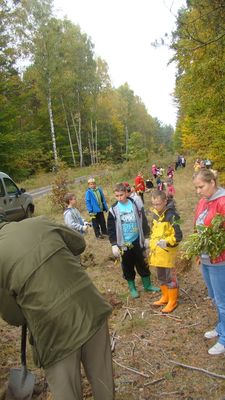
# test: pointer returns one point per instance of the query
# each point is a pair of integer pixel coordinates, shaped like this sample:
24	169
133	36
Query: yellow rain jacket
165	226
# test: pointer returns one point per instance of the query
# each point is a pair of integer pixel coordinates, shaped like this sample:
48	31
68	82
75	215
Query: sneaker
211	334
218	348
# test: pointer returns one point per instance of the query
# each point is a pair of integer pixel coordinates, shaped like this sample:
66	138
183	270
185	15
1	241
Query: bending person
43	284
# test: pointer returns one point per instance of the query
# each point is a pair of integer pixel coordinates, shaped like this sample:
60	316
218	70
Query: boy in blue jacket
96	205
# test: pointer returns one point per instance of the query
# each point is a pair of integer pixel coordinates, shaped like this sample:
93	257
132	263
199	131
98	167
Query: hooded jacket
165	226
114	224
91	201
42	282
207	209
73	219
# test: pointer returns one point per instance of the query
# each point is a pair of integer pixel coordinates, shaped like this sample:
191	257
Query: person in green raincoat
43	284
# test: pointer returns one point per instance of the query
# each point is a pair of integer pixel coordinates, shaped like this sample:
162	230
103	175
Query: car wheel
29	211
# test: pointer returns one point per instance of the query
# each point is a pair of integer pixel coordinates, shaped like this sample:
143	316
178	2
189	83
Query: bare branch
131	369
205	371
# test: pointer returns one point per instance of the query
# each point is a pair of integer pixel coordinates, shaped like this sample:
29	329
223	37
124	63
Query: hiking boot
217	349
211	334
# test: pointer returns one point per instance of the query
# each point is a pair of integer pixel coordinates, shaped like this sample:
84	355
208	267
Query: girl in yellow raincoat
165	237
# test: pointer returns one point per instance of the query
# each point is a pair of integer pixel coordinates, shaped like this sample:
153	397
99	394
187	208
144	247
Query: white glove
84	228
146	245
116	251
162	243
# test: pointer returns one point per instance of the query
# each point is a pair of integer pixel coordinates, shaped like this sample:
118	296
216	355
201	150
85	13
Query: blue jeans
214	277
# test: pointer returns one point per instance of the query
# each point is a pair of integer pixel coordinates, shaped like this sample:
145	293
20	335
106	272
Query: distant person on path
149	184
170	172
159	183
131	193
197	165
128	234
154	170
178	162
96	205
44	285
72	216
183	161
212	203
170	189
165	237
140	185
202	164
208	164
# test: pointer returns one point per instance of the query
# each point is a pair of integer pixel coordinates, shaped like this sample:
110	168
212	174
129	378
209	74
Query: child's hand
146	245
162	243
116	251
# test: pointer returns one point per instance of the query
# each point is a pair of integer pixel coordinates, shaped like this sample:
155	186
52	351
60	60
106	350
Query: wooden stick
153	382
178	319
205	371
127	312
133	348
188	295
148	364
131	369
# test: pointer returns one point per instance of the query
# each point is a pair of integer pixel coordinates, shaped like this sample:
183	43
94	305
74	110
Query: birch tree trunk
49	99
68	131
78	136
126	140
92	146
96	142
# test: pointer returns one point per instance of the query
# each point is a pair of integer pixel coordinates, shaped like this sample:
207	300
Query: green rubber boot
133	290
148	287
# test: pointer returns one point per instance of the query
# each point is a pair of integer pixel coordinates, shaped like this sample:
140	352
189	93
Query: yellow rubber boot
164	298
172	304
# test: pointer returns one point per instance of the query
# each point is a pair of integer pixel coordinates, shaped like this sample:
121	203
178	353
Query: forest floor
147	345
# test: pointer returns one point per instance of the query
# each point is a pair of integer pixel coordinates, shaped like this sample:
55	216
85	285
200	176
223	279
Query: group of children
128	231
164	182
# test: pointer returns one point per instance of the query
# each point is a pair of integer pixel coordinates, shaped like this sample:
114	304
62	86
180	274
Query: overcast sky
122	32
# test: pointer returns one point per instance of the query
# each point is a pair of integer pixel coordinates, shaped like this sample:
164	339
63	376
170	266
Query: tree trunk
78	136
96	142
68	131
126	140
49	99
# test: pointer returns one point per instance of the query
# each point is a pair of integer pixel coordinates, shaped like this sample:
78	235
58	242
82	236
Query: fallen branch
147	362
205	371
133	348
178	319
189	326
188	295
153	382
113	341
143	339
127	313
131	369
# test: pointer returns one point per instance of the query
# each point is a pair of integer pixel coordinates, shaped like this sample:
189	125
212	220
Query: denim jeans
214	276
